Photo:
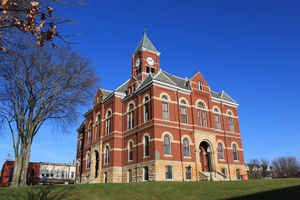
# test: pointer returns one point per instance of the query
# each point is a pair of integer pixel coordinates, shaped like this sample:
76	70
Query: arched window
183	112
146	148
130	151
106	155
165	108
217	118
90	134
130	116
200	86
88	160
98	117
186	147
221	151
230	122
235	152
202	117
146	109
108	122
167	145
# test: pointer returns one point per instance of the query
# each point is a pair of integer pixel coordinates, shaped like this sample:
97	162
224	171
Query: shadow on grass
43	193
283	193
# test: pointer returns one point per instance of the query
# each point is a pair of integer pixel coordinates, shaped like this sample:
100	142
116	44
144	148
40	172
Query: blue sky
250	49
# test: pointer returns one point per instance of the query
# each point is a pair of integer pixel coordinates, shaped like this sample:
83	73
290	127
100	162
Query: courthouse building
160	127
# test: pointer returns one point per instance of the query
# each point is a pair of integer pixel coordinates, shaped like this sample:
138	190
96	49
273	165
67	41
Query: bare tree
254	171
285	167
37	85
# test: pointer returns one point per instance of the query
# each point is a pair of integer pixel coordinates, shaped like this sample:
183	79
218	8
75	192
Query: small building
56	173
8	171
48	173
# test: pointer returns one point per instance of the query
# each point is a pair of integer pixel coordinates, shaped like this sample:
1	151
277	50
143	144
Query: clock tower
145	59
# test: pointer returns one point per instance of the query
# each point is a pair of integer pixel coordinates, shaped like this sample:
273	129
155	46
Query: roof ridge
122	84
106	90
160	71
175	75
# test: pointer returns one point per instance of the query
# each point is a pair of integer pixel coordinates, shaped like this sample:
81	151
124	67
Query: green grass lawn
253	189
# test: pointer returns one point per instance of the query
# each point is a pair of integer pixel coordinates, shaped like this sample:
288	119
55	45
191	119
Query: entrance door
205	156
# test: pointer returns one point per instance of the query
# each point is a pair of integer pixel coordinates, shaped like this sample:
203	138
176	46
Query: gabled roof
162	77
105	93
166	78
145	43
180	82
222	95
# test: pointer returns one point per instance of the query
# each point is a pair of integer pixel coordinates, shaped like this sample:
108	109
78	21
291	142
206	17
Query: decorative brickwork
160	127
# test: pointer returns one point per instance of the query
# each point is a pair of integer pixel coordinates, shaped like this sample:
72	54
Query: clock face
150	61
137	62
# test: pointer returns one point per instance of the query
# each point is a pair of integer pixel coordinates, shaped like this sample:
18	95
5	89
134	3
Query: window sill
168	155
147	156
188	157
130	161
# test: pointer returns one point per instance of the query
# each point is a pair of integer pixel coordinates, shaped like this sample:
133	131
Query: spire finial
145	30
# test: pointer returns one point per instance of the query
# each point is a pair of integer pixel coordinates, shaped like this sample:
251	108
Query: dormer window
200	86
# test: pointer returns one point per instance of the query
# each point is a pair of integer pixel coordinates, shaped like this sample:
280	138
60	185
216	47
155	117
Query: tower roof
146	44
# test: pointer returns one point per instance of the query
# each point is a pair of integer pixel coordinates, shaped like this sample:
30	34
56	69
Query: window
167	145
98	117
62	174
152	70
165	108
88	161
217	118
96	131
186	147
130	151
223	170
221	151
146	150
146	109
200	86
72	174
130	116
188	172
202	117
146	174
108	122
147	70
105	177
90	134
230	122
238	174
107	155
183	112
169	172
235	153
129	175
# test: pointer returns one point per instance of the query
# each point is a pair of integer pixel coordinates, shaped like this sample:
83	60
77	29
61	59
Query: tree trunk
24	172
17	171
